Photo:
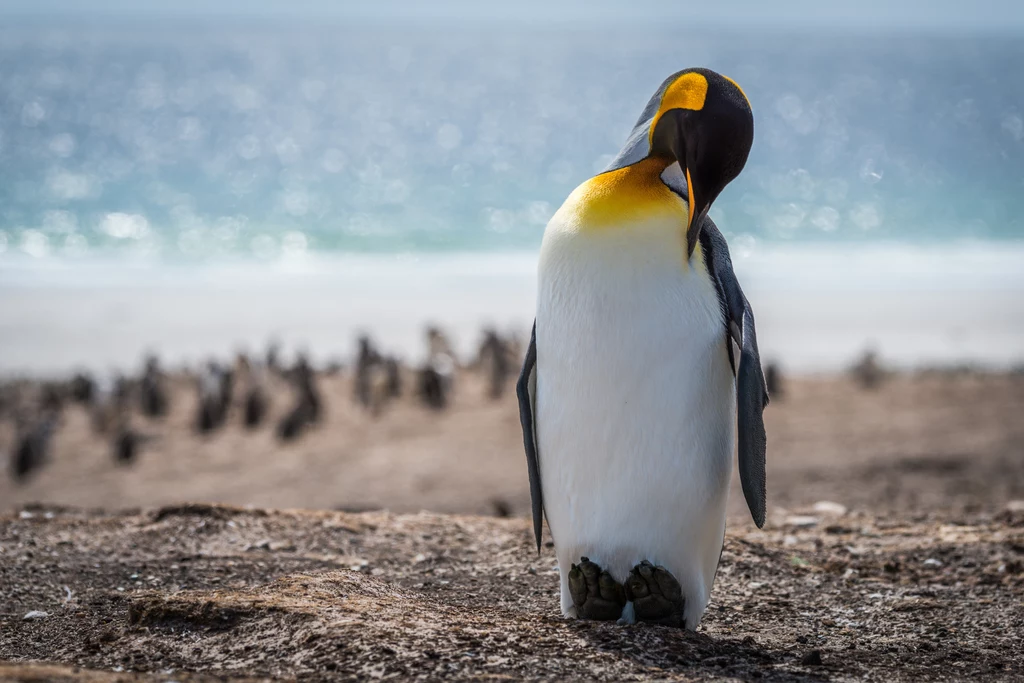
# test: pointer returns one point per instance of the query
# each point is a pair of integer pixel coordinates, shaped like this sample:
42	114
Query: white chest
634	403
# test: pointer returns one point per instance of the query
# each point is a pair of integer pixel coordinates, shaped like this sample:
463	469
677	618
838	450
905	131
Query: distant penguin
305	383
867	372
125	446
435	381
122	391
773	381
394	377
33	446
214	397
106	406
82	388
378	387
438	343
255	407
293	423
152	393
252	376
367	358
273	361
493	358
51	397
308	405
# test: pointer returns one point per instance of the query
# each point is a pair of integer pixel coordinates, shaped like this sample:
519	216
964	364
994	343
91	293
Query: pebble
1015	506
35	614
812	658
801	521
932	562
827	507
283	546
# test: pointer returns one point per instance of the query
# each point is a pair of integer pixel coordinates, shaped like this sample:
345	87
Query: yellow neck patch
686	92
616	198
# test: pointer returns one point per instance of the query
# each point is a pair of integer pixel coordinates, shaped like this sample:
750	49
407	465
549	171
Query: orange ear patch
686	92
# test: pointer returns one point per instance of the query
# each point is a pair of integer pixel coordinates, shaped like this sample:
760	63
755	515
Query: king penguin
643	367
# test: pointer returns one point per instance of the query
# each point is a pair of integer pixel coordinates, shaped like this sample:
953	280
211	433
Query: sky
1005	15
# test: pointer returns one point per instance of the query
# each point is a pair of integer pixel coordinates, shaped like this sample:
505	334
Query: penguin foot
595	593
656	595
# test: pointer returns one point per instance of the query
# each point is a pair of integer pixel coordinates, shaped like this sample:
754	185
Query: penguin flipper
526	390
751	390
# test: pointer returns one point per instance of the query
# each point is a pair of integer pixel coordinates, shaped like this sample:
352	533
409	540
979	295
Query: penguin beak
698	210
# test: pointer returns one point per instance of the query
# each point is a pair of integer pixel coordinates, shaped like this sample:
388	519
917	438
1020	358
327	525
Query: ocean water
177	141
194	189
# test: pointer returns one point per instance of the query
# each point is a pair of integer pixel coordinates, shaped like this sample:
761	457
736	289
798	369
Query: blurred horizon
252	147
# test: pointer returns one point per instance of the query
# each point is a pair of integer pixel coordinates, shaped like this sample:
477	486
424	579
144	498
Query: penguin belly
635	406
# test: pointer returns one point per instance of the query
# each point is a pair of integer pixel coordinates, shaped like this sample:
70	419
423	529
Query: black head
704	122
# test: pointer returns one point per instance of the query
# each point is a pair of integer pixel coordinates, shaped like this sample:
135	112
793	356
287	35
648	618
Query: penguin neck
619	198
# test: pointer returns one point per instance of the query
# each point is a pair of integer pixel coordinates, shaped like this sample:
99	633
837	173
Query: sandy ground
949	441
914	570
331	595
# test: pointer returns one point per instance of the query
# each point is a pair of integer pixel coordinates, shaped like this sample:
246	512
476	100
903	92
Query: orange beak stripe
692	205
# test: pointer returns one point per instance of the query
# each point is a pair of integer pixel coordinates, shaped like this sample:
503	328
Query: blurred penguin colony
246	394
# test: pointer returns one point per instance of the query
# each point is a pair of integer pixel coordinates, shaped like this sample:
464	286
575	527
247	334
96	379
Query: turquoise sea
186	141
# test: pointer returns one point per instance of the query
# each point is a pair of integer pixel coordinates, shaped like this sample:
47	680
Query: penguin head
703	120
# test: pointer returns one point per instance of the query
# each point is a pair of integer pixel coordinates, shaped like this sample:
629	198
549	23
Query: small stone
932	563
827	507
802	521
35	614
25	514
284	546
812	658
1015	506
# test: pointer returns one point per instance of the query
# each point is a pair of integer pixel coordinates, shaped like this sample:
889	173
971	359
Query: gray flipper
526	387
751	391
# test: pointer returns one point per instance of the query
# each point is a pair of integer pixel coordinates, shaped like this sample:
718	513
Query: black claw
656	594
594	592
